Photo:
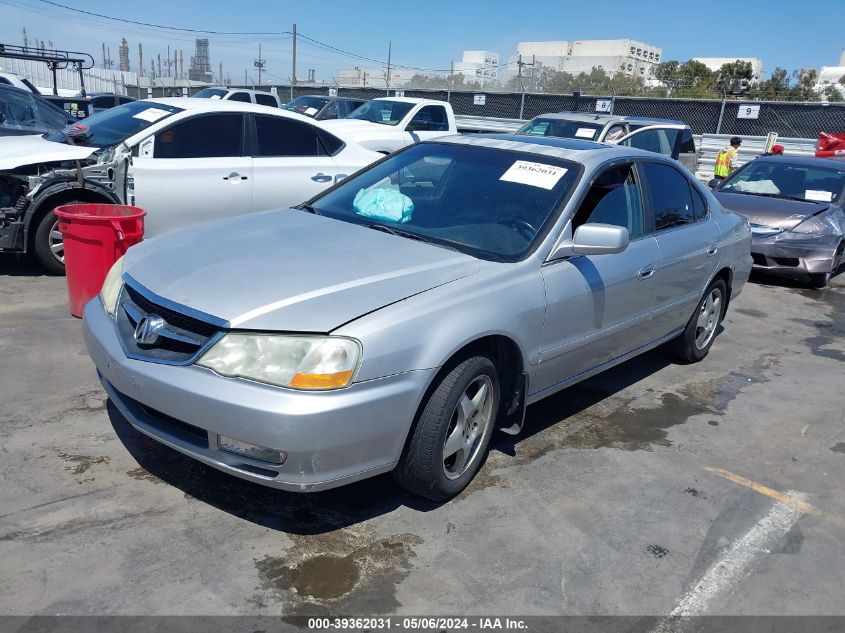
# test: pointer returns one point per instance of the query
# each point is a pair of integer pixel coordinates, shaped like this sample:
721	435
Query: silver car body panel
412	306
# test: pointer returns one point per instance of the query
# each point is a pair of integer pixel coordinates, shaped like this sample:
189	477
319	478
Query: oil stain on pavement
79	464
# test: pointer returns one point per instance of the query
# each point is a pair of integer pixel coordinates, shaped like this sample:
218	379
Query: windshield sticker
310	111
818	196
151	114
214	97
585	132
534	174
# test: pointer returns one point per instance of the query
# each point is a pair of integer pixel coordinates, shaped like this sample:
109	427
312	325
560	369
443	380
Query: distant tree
832	93
734	77
842	80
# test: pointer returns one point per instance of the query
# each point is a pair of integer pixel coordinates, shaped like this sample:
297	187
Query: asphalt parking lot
653	489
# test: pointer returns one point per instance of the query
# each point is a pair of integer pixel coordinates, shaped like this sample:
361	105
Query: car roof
805	161
220	105
566	148
408	100
589	117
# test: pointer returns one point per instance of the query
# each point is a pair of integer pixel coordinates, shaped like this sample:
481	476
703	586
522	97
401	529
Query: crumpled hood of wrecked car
20	151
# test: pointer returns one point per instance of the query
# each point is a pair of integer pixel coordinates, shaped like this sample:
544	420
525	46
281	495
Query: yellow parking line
788	500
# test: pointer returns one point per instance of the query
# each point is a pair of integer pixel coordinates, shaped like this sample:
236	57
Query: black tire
422	469
819	280
41	244
686	347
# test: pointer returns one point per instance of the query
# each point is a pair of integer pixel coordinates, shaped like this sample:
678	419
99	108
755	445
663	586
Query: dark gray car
323	107
795	208
392	323
23	112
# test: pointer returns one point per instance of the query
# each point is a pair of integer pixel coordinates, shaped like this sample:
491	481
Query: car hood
290	270
19	151
774	212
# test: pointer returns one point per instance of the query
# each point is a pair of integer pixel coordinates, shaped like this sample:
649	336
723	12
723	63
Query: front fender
59	185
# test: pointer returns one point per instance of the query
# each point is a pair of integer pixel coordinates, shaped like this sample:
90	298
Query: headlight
111	287
298	362
812	228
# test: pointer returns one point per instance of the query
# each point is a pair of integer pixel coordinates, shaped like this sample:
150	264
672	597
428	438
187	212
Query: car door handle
646	271
235	177
712	250
321	177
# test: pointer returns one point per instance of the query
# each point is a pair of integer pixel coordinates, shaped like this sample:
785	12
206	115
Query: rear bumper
795	259
330	438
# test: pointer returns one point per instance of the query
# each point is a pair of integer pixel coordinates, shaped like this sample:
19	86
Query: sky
428	34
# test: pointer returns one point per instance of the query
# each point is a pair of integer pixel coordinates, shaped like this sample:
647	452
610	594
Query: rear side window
240	96
266	99
671	198
278	136
614	198
698	204
687	142
659	141
208	136
433	117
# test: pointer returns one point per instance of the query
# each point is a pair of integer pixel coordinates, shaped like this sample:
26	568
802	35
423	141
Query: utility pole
25	40
293	63
259	63
159	64
140	60
220	75
449	83
181	64
387	79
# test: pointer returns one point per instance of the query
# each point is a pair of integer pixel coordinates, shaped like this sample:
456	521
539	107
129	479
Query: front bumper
331	438
795	258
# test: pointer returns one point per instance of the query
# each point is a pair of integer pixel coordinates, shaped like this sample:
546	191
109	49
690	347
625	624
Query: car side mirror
713	183
418	126
593	239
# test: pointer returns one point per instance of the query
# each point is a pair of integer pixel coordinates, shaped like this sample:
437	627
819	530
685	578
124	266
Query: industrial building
715	63
478	66
629	57
373	77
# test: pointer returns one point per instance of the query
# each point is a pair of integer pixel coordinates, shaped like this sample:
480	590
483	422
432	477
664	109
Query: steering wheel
522	227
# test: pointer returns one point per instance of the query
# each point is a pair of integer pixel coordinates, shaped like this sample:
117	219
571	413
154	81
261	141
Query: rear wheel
450	438
697	338
48	243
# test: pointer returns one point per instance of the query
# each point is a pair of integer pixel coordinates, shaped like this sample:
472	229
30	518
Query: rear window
265	98
562	128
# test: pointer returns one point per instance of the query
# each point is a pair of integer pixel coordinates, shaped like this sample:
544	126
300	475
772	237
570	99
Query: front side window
489	203
613	198
240	96
562	128
210	136
50	114
278	136
382	111
780	179
330	111
431	118
614	133
671	198
687	142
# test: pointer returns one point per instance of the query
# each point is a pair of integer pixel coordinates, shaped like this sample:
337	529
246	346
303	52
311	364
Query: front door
429	122
289	162
599	306
192	172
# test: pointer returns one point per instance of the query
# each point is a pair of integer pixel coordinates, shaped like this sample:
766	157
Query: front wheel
48	244
697	338
450	438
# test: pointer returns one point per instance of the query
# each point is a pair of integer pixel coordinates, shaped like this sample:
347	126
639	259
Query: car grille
167	335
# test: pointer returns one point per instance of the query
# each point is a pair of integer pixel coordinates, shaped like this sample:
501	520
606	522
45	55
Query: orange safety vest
723	161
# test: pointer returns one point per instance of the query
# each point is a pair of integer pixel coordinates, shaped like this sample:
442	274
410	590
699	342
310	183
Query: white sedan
185	161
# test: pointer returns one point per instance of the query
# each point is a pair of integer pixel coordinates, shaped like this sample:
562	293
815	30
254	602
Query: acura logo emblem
146	332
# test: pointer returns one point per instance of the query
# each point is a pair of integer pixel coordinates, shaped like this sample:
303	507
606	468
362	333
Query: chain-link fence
704	116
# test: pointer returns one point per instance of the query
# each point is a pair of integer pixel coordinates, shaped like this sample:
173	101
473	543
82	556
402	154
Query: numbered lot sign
748	111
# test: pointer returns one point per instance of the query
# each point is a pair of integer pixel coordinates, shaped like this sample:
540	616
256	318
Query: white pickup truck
390	123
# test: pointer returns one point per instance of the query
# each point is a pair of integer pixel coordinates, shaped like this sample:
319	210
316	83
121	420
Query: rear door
599	306
192	172
289	161
687	237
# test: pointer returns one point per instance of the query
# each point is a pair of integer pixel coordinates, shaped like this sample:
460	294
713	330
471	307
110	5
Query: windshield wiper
412	236
799	198
307	207
777	195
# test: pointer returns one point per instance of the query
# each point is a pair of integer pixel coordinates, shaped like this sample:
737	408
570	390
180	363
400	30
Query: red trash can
95	237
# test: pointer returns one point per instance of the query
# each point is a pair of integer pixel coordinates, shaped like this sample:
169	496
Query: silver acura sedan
394	321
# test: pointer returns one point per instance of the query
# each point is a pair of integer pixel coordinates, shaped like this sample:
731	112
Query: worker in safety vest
725	159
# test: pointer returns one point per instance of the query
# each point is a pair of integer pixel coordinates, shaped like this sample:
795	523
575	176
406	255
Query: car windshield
114	125
489	203
562	128
210	93
308	106
382	111
781	179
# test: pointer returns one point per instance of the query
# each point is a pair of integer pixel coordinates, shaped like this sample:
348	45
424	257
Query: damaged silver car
795	208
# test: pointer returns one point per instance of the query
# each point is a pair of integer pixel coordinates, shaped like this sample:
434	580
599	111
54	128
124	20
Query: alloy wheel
472	416
708	319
